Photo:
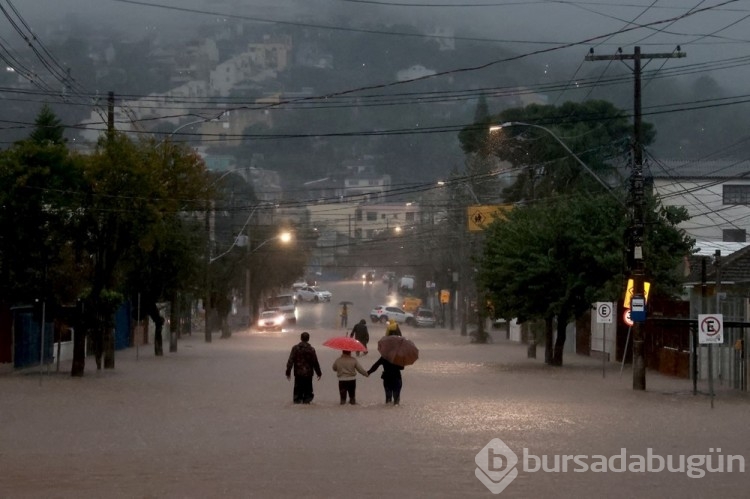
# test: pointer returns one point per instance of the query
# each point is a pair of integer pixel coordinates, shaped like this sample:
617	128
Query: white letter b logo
496	465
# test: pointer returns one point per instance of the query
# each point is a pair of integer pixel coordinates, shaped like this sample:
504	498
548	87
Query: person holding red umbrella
346	368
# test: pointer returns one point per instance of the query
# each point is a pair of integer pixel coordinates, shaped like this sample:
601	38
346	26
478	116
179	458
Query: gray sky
553	36
523	26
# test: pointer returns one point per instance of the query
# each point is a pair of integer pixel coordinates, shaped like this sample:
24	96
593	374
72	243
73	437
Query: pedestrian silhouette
304	361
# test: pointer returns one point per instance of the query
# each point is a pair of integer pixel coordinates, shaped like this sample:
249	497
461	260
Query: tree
551	259
596	131
136	194
47	128
39	185
235	208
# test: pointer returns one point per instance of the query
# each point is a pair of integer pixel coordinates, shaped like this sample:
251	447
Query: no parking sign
710	328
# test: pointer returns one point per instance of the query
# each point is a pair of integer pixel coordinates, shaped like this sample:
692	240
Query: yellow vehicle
411	304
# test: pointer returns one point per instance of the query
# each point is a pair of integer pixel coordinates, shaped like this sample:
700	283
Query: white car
383	313
313	293
271	320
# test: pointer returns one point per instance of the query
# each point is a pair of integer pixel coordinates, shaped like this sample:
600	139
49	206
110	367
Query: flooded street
217	420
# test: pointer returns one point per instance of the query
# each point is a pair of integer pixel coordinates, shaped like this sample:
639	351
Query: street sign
480	216
604	312
630	291
710	329
445	296
626	318
638	308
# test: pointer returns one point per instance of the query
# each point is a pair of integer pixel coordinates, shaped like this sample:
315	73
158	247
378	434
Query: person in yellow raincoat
392	328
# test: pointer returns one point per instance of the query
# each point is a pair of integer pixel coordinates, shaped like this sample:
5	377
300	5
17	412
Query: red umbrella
345	343
398	350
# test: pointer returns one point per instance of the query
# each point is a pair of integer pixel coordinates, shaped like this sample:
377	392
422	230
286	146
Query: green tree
47	128
597	132
167	260
550	260
566	247
135	193
235	209
39	185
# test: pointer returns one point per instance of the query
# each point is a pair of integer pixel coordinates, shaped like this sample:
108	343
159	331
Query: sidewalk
216	420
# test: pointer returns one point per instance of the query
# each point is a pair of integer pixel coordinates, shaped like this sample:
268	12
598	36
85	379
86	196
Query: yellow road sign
629	292
480	216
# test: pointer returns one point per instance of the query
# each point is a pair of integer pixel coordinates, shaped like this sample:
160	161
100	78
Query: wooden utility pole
637	195
110	114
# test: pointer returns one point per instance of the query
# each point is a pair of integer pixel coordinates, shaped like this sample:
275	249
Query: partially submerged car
383	313
314	294
424	317
271	320
286	303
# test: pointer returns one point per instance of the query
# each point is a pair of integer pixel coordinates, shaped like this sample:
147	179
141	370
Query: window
410	216
358	215
372	216
734	236
736	194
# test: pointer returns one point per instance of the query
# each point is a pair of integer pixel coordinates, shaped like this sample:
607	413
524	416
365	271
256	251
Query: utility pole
207	330
110	114
637	192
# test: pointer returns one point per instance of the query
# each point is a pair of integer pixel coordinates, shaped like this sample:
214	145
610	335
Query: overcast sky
552	36
523	26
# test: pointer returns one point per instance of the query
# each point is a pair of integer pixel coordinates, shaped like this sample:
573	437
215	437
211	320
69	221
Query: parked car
271	320
313	293
425	318
383	313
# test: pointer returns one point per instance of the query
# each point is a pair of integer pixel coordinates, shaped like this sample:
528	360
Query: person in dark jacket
391	379
361	334
304	360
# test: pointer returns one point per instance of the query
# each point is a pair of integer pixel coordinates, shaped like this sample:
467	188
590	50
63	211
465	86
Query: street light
285	237
194	122
208	228
497	128
243	241
207	250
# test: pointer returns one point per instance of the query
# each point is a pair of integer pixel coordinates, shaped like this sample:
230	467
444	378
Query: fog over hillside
519	44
